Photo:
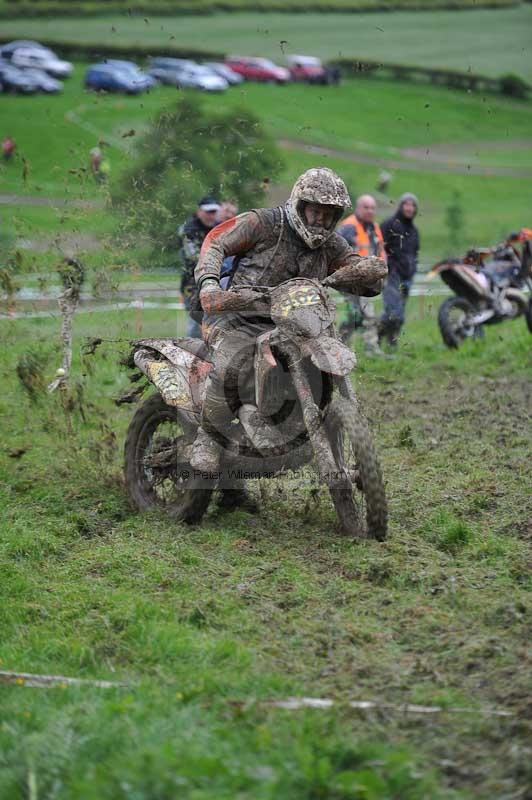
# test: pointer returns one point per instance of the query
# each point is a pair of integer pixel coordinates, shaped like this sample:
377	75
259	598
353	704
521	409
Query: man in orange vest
365	237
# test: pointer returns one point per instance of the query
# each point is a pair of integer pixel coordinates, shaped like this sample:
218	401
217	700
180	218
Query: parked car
232	77
7	50
45	83
144	80
166	70
15	80
41	58
310	70
199	77
186	74
258	69
110	79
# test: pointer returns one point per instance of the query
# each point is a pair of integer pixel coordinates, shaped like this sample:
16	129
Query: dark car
15	80
111	79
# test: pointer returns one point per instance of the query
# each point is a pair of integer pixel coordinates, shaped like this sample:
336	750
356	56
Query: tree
189	152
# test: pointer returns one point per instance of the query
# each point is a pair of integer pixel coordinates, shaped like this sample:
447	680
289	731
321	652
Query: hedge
34	8
510	85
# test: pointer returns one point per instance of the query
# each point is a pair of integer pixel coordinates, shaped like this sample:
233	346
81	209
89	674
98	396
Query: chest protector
280	255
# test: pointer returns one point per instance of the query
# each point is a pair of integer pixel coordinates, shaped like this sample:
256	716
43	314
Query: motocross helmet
318	185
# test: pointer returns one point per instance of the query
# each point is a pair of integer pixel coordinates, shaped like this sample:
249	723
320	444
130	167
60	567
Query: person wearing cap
365	237
191	236
401	241
272	245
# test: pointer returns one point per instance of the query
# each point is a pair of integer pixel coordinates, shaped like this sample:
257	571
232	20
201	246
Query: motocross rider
271	246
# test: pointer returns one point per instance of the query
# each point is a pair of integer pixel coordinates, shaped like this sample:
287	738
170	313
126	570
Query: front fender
329	355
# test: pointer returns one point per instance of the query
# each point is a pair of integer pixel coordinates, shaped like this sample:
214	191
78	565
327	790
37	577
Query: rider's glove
365	277
215	301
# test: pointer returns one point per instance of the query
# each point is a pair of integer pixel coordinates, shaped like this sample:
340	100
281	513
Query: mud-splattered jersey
270	252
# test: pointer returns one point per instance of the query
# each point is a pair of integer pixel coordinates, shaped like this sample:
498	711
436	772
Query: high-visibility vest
362	237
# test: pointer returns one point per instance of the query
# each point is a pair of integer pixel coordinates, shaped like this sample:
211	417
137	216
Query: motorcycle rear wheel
153	475
453	325
359	500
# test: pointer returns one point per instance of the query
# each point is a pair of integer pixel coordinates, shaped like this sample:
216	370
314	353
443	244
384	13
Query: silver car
199	77
166	70
45	82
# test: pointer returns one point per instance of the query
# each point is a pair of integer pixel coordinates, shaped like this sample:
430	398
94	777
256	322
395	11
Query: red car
309	69
258	69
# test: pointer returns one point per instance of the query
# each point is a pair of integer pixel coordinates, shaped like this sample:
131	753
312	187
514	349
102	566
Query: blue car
111	79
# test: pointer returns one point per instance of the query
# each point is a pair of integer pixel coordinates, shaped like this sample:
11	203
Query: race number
299	298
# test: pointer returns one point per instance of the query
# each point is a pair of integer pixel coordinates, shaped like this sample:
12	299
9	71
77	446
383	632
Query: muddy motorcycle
490	285
298	407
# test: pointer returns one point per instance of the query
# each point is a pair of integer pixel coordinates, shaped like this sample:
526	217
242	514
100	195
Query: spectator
191	235
96	156
365	237
401	240
384	181
100	164
228	210
8	148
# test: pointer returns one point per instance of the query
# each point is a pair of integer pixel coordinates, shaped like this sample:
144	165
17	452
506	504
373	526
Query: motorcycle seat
195	346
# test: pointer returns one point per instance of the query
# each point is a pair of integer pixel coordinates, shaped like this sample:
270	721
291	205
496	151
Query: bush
514	86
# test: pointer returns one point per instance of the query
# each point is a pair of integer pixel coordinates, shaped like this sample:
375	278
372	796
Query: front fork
312	417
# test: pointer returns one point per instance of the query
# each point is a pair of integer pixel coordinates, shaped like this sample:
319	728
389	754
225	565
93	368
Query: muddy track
54	202
428	163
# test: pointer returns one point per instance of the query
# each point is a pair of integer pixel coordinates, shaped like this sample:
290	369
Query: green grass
368	118
207	623
491	42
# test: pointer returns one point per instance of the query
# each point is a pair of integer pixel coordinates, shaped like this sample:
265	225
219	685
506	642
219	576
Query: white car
41	58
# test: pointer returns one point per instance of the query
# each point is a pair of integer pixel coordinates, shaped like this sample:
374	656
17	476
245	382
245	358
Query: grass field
207	624
490	42
370	120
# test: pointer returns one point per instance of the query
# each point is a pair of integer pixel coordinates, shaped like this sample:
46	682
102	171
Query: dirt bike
298	407
490	285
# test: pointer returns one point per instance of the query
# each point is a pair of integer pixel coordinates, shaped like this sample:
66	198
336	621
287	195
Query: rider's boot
206	453
374	350
215	423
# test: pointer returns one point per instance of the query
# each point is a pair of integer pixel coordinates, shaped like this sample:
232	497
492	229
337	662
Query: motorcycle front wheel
360	498
454	321
528	315
155	470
